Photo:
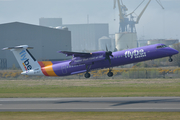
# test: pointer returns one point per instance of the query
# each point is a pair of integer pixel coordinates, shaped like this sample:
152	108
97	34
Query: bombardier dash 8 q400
85	62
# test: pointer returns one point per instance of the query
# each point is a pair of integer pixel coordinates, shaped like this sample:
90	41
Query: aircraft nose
173	51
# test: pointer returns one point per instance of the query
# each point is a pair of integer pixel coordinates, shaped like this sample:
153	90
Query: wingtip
59	52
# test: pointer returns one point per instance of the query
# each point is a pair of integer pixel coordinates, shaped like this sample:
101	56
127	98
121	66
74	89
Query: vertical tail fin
24	57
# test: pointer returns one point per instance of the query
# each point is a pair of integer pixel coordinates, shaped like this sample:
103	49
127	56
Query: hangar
46	42
84	37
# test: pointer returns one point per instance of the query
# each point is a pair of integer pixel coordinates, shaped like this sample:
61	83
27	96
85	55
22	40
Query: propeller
108	54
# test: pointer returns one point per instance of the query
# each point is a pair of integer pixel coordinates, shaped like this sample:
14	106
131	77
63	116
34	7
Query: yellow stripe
48	68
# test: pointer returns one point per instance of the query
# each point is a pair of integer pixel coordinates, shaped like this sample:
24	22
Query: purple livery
85	62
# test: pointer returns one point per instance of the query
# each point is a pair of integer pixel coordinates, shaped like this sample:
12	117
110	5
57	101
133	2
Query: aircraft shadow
120	103
148	101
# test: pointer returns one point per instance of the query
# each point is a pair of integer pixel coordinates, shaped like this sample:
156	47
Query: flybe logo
25	60
135	54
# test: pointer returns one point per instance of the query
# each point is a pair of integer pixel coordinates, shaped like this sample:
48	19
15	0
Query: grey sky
155	23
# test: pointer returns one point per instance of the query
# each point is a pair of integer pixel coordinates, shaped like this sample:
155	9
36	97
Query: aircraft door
63	69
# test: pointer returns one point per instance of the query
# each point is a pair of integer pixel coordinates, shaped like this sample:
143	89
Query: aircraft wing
76	54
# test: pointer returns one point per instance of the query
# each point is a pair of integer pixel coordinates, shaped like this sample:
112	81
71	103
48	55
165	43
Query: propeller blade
108	58
106	48
110	61
111	55
108	54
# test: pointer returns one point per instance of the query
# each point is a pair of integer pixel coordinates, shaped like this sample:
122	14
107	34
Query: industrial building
84	37
46	42
105	42
125	40
127	35
168	42
50	22
142	43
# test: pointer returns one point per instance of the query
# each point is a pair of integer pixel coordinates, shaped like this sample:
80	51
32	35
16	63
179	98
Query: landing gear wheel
87	75
170	59
110	74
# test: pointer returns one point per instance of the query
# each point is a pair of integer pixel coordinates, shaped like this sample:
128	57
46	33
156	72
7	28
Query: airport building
50	22
168	42
84	37
46	42
142	43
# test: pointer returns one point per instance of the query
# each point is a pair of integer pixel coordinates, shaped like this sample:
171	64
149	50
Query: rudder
24	57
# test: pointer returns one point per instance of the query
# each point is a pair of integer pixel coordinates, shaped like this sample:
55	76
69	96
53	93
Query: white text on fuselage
87	59
135	54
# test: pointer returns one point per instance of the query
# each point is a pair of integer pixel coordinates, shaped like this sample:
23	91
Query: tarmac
160	104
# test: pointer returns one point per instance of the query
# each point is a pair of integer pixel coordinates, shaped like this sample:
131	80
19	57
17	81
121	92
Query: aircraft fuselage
63	68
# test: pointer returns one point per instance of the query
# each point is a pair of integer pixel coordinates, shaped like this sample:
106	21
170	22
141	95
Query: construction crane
123	16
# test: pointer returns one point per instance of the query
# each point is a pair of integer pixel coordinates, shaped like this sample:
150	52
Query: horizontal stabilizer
18	47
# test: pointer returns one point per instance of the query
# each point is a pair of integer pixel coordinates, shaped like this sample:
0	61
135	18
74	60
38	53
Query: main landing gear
110	74
170	59
87	74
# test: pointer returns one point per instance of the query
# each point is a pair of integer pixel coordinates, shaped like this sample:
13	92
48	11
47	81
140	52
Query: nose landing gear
170	59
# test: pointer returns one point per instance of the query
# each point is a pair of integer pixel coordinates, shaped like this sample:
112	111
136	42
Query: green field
89	88
90	115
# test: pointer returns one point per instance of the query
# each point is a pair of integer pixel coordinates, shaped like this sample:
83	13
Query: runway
91	104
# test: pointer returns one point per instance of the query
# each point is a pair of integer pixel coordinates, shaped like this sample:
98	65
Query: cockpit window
158	47
161	46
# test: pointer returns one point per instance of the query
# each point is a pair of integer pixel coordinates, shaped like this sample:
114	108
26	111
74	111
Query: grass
90	115
89	88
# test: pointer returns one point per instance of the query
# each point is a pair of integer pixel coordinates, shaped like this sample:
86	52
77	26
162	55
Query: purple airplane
85	62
